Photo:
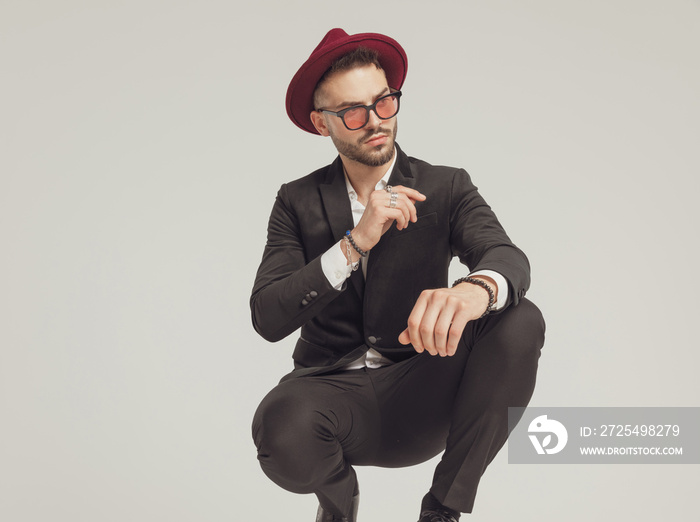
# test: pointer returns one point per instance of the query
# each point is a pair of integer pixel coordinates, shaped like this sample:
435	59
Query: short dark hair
359	57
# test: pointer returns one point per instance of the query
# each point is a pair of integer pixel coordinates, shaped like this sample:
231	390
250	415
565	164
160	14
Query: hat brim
300	92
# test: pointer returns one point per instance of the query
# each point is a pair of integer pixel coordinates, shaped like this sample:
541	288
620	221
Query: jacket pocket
428	220
307	354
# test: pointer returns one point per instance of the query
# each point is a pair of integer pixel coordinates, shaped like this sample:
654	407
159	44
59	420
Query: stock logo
542	425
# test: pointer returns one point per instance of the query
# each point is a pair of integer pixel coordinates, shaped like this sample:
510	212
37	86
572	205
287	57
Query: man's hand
378	217
439	317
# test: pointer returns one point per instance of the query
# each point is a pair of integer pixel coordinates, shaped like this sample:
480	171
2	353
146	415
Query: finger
398	215
414	320
410	193
407	209
406	204
427	328
410	207
405	338
459	322
402	205
442	329
378	207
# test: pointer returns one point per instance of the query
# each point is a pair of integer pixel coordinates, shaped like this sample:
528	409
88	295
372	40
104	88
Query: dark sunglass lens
356	118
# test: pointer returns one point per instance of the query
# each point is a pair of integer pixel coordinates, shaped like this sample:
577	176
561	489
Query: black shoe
324	516
432	515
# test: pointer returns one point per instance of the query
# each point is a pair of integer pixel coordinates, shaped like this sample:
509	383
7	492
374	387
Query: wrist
358	242
352	257
479	281
489	281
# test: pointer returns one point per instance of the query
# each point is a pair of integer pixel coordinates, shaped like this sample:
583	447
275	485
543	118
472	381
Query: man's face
373	144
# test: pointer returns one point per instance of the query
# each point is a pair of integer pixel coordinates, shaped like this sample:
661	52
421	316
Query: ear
319	122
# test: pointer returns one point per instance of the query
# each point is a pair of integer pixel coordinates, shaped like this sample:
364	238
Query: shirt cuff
501	284
335	266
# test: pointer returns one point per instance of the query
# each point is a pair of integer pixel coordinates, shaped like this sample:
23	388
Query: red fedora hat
335	44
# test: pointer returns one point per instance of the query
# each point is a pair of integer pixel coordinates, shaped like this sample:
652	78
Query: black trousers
310	431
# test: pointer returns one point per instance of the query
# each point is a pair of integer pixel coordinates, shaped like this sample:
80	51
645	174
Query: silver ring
393	199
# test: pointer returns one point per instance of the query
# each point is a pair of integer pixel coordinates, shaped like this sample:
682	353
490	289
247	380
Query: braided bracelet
354	245
484	285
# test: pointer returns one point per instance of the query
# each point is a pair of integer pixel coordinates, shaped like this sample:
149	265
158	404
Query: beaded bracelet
484	285
354	245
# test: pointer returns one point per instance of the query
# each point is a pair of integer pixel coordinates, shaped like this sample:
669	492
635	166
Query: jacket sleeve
289	289
479	240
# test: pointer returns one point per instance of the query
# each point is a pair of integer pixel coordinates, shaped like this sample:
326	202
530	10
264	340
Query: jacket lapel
335	200
336	203
402	173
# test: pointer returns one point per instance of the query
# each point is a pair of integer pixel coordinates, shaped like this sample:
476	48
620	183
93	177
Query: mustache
375	134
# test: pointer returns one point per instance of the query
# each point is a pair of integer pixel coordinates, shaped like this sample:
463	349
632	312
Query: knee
281	421
528	321
285	431
520	330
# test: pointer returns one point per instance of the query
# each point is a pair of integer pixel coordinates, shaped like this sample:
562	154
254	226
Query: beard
369	156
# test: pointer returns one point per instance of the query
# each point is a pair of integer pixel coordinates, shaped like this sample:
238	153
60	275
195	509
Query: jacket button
313	293
372	339
304	302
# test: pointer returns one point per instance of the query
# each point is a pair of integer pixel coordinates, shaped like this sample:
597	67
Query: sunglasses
357	116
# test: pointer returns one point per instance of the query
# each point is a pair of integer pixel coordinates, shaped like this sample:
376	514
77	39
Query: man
392	366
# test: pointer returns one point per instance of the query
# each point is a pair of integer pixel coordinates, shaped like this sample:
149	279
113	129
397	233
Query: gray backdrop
142	145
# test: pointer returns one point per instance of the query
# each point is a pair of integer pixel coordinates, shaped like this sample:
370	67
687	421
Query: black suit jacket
313	213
